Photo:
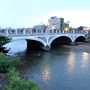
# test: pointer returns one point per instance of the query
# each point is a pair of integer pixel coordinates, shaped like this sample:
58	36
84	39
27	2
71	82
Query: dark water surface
62	68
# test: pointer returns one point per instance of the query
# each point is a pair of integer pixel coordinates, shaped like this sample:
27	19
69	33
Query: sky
27	13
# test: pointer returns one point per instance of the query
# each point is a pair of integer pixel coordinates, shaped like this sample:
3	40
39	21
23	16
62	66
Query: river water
62	68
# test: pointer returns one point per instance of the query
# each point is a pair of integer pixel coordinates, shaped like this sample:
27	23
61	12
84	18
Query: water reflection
71	62
45	67
45	71
16	46
85	59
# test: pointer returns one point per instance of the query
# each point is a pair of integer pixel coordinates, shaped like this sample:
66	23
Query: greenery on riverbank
3	41
7	62
16	83
8	65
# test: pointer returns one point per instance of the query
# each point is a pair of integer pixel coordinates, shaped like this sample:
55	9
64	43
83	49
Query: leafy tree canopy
3	40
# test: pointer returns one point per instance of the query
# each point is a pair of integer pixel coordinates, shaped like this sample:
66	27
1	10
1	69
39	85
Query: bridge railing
29	31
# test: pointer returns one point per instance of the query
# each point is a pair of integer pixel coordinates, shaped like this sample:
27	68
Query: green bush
16	83
22	85
7	62
12	74
4	40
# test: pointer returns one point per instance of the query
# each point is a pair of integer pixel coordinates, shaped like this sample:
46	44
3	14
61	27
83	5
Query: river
62	68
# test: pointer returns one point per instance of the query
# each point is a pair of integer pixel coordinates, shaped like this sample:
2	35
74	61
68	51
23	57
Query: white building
55	23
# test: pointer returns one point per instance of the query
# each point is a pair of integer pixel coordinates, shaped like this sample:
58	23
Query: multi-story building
55	23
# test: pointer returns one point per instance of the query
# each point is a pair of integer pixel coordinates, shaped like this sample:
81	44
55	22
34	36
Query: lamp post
66	30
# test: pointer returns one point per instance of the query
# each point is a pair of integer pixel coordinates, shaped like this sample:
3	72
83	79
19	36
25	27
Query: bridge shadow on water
60	50
40	53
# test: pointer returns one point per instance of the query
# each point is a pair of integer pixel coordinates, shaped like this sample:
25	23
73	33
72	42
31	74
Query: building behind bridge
53	23
56	23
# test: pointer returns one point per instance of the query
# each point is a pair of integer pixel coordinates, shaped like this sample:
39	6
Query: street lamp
66	29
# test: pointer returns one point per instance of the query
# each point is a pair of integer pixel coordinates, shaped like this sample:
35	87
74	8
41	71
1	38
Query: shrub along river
62	68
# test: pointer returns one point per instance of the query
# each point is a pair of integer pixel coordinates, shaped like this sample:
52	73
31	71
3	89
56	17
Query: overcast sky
26	13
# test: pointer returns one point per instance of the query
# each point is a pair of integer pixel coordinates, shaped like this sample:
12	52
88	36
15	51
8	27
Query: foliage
80	28
72	28
7	62
12	74
22	85
4	40
66	25
16	83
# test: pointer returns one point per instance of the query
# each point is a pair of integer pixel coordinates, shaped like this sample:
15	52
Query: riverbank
9	76
80	47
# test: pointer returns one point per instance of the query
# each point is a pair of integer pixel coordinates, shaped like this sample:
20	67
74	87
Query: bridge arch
80	39
34	45
60	40
38	41
29	38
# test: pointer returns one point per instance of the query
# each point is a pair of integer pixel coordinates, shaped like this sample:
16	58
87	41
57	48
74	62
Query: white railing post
30	31
16	32
24	33
6	32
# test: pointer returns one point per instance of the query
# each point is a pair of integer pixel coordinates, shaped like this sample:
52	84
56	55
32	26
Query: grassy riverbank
15	82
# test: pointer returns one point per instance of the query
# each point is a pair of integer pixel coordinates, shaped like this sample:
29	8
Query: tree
66	25
80	28
3	41
72	28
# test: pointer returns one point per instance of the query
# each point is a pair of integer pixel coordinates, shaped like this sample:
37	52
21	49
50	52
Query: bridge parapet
33	32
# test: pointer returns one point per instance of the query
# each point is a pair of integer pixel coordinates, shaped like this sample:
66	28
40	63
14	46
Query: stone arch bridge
46	39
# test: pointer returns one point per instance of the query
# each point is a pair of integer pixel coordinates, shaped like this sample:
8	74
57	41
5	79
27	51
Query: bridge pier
28	44
46	48
73	43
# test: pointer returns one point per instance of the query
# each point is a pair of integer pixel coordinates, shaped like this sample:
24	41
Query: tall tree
3	41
